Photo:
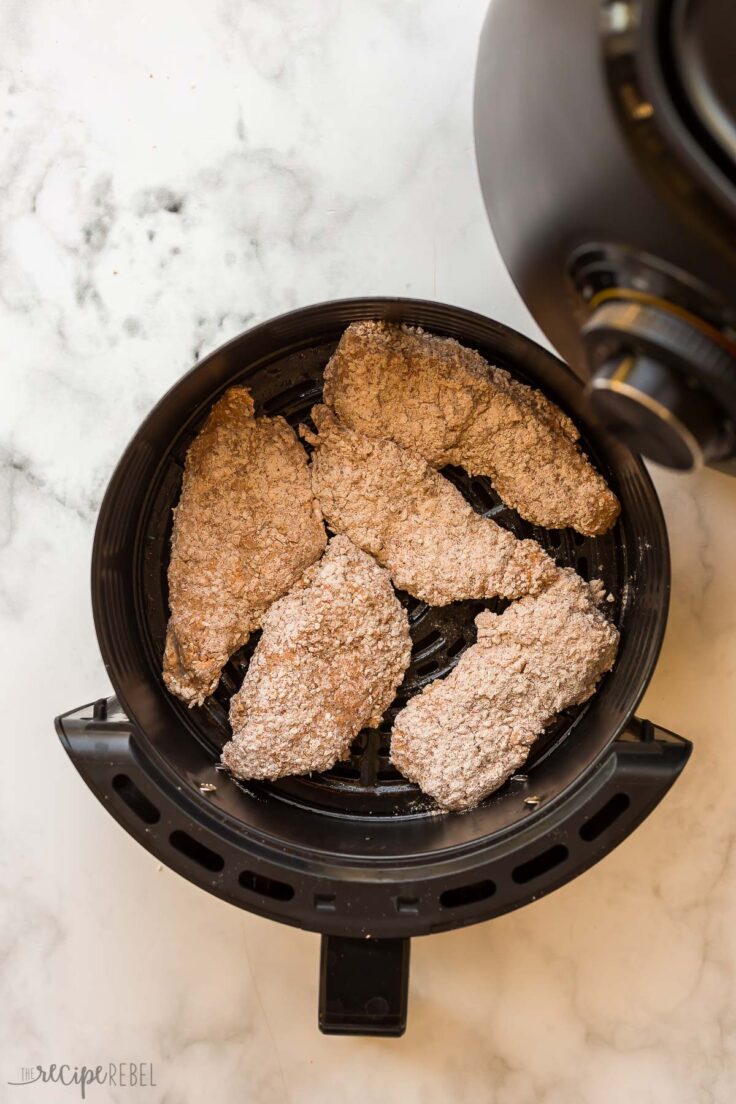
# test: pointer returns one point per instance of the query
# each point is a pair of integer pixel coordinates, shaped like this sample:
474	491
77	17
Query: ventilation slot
539	865
358	745
582	566
341	771
605	817
427	668
228	683
386	775
412	605
467	894
267	887
483	495
136	801
456	648
431	638
294	398
196	851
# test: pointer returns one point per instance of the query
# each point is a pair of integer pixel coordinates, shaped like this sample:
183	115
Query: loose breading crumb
464	735
391	503
444	401
332	655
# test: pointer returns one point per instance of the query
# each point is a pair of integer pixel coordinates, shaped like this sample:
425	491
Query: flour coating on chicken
444	401
332	655
464	735
391	503
245	528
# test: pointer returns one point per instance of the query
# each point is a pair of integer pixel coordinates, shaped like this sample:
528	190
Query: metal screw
207	787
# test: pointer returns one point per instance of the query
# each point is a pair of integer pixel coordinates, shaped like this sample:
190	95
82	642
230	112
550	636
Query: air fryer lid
358	851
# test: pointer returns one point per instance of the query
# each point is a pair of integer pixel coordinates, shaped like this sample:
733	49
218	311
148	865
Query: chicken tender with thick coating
444	401
332	655
391	503
245	528
464	735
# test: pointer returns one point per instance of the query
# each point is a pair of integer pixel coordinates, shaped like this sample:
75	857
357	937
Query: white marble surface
170	173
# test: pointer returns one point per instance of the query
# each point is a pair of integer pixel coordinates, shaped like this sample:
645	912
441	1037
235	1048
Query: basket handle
363	986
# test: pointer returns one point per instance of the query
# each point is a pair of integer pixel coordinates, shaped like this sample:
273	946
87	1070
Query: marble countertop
172	173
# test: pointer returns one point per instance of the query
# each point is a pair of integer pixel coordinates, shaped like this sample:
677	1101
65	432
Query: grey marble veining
169	175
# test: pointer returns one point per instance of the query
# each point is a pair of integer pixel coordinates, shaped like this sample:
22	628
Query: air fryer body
606	146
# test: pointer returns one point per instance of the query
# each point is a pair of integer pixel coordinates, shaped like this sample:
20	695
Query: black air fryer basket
357	853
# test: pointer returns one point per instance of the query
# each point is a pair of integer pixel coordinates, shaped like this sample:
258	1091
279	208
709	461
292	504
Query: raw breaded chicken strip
445	402
329	662
463	736
245	528
391	503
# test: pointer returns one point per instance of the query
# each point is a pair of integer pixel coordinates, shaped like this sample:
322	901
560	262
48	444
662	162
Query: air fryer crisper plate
358	850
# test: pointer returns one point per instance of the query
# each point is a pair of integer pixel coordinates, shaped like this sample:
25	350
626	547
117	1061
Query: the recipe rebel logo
120	1075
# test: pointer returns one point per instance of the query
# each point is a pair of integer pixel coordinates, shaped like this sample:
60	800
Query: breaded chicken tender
464	735
445	402
245	528
391	503
332	655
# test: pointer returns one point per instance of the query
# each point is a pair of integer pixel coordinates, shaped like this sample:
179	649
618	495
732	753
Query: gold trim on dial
646	298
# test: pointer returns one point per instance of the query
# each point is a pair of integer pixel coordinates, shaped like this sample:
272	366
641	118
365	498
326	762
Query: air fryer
358	853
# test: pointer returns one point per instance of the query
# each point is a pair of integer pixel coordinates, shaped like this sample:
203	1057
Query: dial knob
659	381
654	411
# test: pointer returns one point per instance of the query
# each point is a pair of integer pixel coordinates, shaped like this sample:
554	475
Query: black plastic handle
363	986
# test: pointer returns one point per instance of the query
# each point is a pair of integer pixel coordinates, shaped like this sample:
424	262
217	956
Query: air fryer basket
358	853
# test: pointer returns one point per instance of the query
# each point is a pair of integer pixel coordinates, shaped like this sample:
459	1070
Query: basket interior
365	783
